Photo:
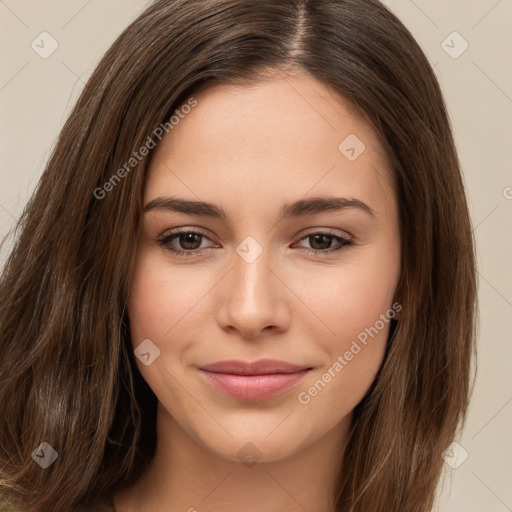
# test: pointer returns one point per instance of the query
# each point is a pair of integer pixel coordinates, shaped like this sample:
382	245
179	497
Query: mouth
258	380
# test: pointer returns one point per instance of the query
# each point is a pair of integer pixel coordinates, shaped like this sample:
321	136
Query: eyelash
165	240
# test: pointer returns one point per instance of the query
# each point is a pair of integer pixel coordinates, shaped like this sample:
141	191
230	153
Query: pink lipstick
258	380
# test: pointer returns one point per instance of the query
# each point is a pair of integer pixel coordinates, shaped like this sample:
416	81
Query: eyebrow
301	207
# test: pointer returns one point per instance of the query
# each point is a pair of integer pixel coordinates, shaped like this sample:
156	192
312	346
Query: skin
249	150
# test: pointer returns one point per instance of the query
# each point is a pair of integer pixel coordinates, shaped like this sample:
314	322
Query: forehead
281	138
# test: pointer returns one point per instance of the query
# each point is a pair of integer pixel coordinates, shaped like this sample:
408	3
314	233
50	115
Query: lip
256	380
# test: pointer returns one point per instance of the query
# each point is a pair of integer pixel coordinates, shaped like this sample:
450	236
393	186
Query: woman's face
263	272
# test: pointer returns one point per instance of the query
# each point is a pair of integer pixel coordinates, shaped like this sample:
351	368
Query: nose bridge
253	300
252	288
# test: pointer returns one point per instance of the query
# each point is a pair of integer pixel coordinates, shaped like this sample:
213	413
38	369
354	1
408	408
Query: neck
184	475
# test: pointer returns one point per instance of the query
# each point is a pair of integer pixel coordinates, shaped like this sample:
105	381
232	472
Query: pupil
188	238
325	245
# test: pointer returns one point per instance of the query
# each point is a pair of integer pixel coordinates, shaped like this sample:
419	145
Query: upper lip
261	367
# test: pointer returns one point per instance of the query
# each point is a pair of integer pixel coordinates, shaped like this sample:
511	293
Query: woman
246	278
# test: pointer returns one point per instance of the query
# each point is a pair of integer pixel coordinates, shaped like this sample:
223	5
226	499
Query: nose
253	301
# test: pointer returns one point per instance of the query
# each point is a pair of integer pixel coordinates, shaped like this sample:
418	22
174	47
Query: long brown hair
67	371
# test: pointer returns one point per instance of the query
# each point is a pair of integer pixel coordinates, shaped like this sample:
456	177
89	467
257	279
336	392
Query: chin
254	445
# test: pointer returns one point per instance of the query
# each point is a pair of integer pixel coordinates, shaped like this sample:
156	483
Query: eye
189	242
321	242
188	239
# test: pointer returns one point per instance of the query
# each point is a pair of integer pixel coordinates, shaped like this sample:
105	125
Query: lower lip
254	387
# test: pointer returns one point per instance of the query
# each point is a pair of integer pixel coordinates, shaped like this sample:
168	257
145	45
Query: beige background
36	95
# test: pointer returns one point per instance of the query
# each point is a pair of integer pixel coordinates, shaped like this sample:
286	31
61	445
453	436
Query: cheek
163	307
162	302
334	392
358	308
355	302
351	297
